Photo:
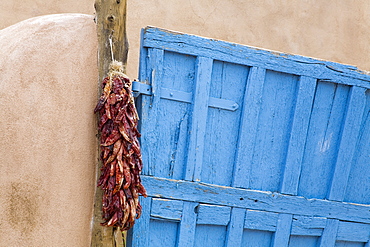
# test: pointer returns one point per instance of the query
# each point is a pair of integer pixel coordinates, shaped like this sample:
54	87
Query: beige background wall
48	90
336	30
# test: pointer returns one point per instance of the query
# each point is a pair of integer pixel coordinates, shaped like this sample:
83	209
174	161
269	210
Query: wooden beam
111	25
254	199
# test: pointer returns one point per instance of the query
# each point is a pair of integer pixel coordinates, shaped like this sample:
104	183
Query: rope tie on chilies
111	47
115	67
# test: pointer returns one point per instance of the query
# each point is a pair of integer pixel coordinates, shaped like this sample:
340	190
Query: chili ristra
120	151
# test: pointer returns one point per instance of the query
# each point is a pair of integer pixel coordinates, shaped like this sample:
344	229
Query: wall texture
336	30
48	146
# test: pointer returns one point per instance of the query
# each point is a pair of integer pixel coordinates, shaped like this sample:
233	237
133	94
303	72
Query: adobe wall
48	90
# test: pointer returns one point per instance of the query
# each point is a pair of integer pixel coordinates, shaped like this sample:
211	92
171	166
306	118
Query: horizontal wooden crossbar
251	56
181	96
186	97
255	200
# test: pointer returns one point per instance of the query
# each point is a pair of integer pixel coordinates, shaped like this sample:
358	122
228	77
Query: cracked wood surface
111	24
287	167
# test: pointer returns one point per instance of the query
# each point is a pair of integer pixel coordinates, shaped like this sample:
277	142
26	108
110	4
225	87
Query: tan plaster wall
336	30
48	91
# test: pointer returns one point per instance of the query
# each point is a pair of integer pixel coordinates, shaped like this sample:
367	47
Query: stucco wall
336	30
48	91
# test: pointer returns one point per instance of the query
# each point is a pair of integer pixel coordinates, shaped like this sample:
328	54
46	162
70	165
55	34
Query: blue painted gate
246	147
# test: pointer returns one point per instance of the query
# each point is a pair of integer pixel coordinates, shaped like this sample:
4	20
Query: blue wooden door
246	147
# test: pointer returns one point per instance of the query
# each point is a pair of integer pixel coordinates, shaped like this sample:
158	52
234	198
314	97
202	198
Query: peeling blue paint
248	147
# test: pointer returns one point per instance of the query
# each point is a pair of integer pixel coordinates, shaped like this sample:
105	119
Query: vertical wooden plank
282	234
139	235
306	92
358	187
248	129
323	139
329	234
222	132
235	228
143	59
269	155
187	225
203	75
150	111
350	132
172	128
368	241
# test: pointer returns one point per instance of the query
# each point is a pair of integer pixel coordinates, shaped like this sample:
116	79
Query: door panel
247	147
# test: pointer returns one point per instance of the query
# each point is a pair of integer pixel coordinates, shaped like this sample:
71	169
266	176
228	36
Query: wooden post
111	24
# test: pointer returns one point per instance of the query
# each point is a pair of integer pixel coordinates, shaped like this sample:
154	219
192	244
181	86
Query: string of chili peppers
120	151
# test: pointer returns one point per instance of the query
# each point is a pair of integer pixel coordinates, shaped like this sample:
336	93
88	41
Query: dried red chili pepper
120	151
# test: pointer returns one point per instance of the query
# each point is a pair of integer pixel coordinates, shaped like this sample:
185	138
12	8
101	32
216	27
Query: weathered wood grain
162	233
111	24
329	235
199	113
250	56
187	97
150	111
222	132
252	238
166	209
253	199
261	220
140	236
187	226
163	123
213	215
273	131
349	139
282	234
298	134
353	232
358	186
323	138
235	228
302	240
248	128
286	167
308	226
210	235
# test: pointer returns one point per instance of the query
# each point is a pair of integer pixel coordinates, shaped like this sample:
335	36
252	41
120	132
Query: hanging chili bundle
120	151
